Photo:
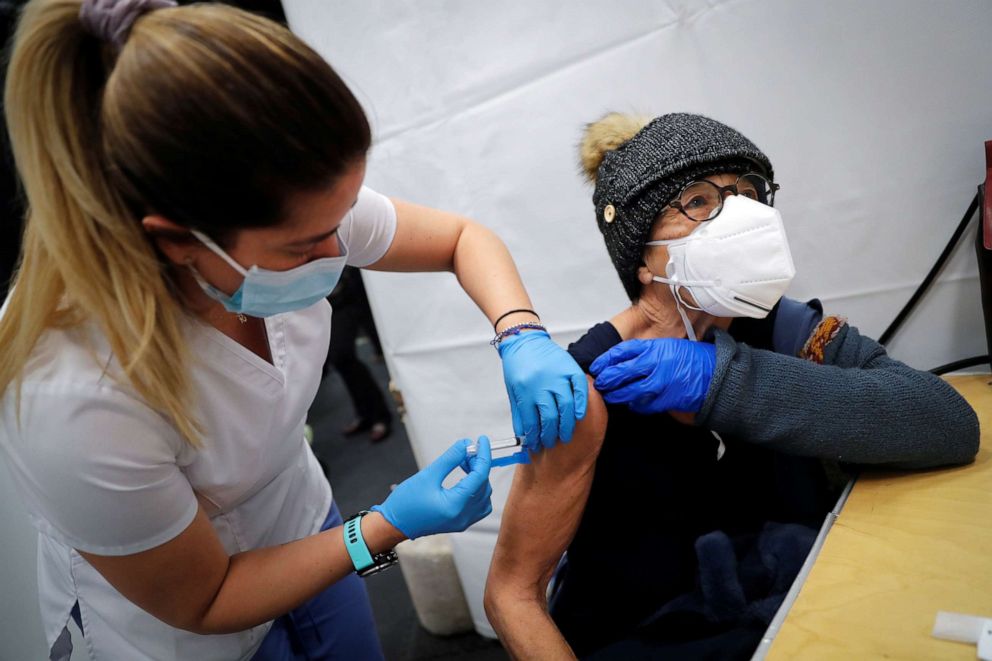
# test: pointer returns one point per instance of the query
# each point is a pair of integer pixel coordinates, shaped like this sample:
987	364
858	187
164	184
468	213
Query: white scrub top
101	472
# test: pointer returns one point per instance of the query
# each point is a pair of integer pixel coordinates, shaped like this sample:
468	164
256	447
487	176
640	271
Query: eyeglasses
703	200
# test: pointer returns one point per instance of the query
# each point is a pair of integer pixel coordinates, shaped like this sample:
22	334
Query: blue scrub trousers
336	624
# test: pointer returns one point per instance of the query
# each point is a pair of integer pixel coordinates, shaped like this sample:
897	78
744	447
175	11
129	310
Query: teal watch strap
353	541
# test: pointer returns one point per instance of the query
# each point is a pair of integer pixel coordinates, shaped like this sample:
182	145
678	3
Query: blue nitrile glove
655	376
548	391
420	506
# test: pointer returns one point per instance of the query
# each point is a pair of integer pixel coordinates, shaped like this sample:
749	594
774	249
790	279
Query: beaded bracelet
515	330
507	314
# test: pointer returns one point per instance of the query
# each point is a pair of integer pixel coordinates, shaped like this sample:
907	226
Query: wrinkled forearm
859	407
524	626
540	518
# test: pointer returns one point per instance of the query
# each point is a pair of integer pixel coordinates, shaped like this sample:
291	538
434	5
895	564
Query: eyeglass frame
732	188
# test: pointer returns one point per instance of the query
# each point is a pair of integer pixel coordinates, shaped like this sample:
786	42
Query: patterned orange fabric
817	343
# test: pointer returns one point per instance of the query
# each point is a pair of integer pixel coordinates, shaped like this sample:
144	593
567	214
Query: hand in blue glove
420	506
548	391
655	376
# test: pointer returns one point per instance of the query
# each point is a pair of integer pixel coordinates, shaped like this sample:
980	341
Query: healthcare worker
194	178
694	488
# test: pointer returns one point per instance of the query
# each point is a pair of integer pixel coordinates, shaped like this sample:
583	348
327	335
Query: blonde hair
208	115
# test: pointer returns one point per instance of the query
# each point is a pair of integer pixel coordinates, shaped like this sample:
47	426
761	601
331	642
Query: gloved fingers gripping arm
620	364
656	376
539	376
547	410
619	374
518	421
580	395
421	505
566	416
526	419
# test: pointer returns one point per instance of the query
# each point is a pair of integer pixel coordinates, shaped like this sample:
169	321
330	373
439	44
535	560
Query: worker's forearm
263	584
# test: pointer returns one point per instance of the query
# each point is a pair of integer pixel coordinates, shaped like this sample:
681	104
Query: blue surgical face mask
265	293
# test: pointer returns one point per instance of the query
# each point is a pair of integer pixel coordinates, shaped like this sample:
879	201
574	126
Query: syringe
501	444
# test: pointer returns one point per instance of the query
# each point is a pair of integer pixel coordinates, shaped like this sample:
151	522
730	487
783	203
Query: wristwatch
365	563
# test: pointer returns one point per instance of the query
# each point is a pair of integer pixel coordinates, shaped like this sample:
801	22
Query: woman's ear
644	275
174	241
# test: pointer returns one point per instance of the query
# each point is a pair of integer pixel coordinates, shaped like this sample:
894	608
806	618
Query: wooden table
905	546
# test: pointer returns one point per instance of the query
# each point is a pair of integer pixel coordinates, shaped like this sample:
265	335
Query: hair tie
111	20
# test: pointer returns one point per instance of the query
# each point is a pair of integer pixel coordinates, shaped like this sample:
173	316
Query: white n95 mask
736	265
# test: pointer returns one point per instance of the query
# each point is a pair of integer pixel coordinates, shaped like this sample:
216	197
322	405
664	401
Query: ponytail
84	254
207	115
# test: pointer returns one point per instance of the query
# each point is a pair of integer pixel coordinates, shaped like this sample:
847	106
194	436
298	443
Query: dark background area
11	209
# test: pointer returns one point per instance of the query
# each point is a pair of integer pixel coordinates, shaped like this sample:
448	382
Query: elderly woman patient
693	489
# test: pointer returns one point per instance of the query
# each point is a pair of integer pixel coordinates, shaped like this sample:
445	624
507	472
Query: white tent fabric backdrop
873	115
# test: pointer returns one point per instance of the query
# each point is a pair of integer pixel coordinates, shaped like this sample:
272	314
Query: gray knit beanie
639	167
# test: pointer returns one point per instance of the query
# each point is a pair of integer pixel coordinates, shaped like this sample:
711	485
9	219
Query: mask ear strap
680	305
674	284
689	330
666	242
342	245
199	279
217	250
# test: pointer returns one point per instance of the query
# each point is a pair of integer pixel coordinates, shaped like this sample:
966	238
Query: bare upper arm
425	239
545	506
177	581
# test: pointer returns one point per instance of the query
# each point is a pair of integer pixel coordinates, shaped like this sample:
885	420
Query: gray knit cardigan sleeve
859	407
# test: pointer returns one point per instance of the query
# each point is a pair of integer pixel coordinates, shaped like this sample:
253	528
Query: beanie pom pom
605	135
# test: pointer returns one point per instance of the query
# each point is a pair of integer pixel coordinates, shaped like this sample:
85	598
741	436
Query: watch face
379	563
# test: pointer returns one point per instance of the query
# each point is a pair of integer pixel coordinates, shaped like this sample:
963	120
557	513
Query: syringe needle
500	444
